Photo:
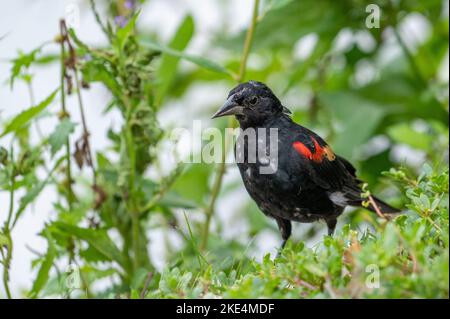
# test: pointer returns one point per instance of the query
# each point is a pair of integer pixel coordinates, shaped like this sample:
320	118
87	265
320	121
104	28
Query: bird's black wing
325	168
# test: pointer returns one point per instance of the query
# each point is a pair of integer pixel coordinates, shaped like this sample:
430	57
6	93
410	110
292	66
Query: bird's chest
264	171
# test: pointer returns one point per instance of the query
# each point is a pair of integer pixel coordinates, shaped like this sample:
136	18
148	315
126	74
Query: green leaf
124	33
24	117
172	199
193	183
23	61
405	134
200	61
77	40
277	4
288	21
46	265
58	138
169	63
402	96
4	241
139	278
30	196
356	120
95	71
97	238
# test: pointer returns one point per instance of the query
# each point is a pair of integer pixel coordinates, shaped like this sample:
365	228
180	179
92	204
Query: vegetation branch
217	185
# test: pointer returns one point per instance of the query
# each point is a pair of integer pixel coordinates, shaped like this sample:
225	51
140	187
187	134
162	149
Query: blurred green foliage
357	86
405	258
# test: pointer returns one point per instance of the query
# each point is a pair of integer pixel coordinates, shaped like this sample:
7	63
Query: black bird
295	176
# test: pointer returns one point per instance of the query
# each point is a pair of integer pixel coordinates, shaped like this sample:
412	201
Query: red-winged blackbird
308	182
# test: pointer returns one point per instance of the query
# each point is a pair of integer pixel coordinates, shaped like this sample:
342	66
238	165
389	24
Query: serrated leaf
24	117
30	196
97	238
23	61
58	138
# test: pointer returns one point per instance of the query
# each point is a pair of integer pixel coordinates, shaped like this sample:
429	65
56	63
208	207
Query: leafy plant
110	201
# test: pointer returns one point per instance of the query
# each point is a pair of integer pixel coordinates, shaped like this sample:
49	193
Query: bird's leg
331	224
285	228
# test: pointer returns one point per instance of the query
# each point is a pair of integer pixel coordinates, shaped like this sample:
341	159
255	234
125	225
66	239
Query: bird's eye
253	100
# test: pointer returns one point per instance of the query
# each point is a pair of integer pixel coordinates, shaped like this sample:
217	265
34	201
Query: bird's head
252	103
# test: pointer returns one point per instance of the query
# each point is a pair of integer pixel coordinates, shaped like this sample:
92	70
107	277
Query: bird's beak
229	108
286	110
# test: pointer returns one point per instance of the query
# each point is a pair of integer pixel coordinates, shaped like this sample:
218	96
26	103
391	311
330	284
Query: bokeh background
378	95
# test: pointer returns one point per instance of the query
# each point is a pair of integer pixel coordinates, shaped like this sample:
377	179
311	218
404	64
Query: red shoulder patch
319	151
302	149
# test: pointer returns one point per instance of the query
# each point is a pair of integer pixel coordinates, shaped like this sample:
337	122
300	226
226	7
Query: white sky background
28	23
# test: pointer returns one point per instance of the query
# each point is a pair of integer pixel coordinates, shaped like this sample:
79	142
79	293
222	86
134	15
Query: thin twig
411	253
375	206
165	186
306	284
86	133
328	286
7	232
99	20
63	34
73	66
146	285
6	265
209	211
32	102
248	42
11	200
200	257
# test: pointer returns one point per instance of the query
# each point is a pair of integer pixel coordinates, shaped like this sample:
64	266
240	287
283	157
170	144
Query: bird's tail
382	206
354	193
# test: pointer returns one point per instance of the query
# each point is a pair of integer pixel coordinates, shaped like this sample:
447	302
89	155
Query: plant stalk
70	195
84	123
217	185
7	232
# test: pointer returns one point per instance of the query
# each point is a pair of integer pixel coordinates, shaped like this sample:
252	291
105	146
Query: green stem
165	186
99	21
7	264
248	42
32	102
217	185
136	245
11	201
70	195
131	205
7	232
